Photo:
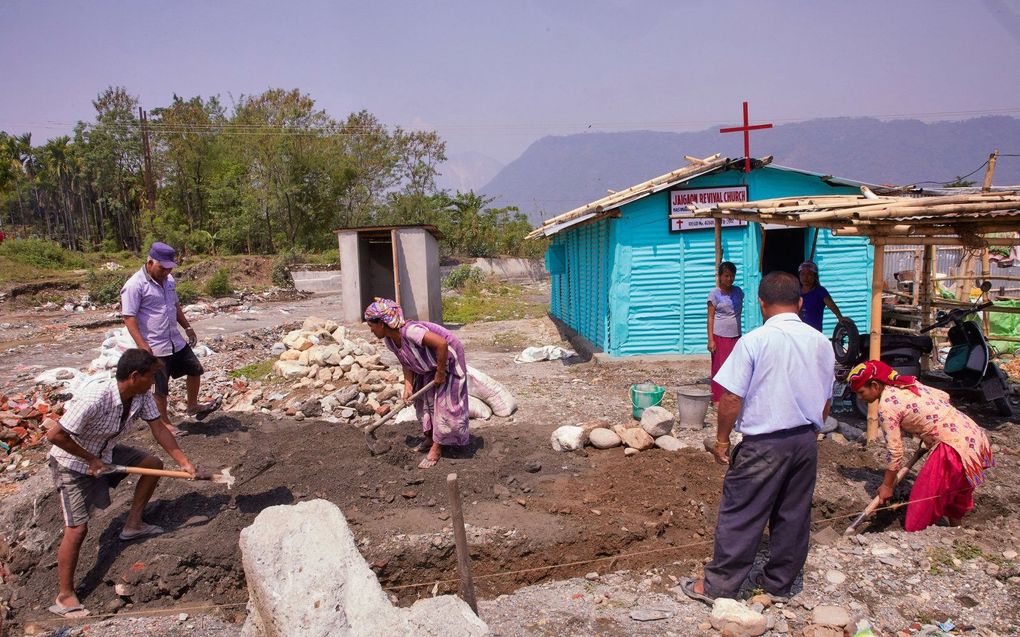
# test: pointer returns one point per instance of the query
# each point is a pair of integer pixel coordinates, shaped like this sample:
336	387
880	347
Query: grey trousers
771	479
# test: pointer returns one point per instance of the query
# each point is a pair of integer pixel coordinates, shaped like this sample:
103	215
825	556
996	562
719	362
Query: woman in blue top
724	305
814	298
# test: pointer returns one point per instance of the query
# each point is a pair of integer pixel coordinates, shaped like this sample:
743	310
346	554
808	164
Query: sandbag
482	386
478	409
544	353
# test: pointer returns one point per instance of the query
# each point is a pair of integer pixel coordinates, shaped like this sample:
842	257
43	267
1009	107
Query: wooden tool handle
393	412
162	473
877	500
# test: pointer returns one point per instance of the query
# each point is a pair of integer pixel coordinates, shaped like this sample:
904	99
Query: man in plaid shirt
85	442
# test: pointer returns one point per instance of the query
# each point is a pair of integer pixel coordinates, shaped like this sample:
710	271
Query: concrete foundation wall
323	281
511	270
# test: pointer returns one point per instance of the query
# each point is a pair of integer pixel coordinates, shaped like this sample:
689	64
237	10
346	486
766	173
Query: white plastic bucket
692	405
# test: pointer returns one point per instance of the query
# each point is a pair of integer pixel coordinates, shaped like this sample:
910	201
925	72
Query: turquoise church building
632	272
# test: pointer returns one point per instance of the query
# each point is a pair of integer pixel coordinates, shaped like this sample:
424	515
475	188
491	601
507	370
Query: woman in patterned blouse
960	450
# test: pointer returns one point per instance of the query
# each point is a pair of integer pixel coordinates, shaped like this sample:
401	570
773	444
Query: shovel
223	477
378	447
852	529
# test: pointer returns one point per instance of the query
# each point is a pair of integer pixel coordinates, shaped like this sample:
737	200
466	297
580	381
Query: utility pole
150	182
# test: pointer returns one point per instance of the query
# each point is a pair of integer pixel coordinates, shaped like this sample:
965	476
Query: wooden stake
990	171
875	350
467	585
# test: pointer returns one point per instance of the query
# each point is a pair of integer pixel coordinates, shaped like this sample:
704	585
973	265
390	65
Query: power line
585	124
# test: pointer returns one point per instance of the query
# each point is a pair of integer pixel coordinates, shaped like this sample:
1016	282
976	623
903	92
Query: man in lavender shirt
152	313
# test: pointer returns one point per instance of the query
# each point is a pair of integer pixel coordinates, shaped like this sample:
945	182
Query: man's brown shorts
81	494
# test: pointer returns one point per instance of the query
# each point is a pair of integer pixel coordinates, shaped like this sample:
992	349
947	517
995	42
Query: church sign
681	215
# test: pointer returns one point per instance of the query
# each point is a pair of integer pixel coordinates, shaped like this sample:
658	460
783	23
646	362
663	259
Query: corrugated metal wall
631	287
947	261
844	268
578	262
660	283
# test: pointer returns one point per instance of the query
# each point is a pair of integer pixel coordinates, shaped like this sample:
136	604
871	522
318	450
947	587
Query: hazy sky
492	77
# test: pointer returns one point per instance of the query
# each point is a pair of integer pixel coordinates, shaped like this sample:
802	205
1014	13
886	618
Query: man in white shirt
778	386
85	443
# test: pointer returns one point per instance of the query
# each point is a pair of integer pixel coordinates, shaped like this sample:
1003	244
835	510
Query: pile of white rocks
656	429
347	370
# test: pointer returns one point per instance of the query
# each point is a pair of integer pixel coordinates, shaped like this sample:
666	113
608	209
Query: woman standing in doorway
814	298
724	307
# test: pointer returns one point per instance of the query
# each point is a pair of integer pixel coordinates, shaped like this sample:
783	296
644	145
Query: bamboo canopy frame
968	220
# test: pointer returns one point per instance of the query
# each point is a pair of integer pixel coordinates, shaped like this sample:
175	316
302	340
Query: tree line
270	174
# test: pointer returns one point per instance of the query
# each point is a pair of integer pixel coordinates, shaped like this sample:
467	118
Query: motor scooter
968	373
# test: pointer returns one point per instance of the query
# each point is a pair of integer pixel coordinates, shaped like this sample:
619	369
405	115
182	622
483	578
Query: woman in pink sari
960	450
429	354
724	305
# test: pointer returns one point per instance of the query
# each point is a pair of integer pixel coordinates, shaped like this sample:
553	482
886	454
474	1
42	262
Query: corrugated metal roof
548	231
623	197
605	205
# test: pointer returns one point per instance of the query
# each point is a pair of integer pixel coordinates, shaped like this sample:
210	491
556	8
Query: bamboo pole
875	349
847	201
942	227
718	244
966	272
761	256
467	585
612	200
927	291
997	277
394	239
985	271
915	211
916	287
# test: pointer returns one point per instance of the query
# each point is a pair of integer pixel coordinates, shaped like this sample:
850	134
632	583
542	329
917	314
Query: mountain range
558	173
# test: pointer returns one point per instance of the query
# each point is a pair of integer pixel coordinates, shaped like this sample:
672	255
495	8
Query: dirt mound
526	507
245	271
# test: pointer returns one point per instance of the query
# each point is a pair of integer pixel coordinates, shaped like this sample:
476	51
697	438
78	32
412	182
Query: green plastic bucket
643	396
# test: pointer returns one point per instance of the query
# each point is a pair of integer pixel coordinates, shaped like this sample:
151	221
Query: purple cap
163	254
809	266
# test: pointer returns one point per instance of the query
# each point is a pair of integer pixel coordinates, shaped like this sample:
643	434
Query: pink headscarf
386	311
877	370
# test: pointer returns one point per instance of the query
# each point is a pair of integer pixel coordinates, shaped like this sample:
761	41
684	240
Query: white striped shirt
93	418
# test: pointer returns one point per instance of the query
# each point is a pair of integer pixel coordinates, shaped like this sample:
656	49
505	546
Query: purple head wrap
386	311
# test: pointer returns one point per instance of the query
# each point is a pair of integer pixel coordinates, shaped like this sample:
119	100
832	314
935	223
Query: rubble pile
343	376
21	424
338	377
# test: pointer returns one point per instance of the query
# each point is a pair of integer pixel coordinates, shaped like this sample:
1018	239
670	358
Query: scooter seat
956	360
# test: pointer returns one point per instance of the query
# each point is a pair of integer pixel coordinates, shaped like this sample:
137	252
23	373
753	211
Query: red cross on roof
746	129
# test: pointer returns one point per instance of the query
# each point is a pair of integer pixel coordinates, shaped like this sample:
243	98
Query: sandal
424	446
687	586
70	612
144	531
206	408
